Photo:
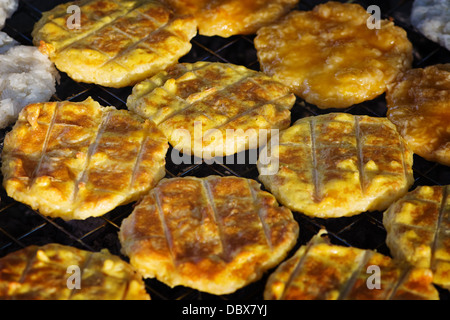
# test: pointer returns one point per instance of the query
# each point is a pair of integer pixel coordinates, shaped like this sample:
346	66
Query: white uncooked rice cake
432	19
7	8
26	76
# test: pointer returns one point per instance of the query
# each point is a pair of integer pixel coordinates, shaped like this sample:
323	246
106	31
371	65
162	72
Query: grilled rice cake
211	109
418	230
418	104
337	164
226	18
50	272
118	43
7	9
322	271
75	160
330	57
214	234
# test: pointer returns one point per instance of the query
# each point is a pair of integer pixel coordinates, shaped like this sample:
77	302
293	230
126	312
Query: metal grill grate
20	226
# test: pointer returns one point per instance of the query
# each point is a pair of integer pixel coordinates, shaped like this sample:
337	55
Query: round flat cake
214	234
114	43
76	160
330	57
337	165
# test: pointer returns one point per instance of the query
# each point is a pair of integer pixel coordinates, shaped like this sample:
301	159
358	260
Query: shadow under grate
21	226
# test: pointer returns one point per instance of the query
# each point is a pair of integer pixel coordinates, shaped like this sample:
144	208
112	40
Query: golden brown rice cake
214	234
337	165
118	43
230	17
75	160
212	109
322	271
329	56
50	272
419	105
418	230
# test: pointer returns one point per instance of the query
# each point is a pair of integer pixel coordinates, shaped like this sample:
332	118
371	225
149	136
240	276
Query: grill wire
20	226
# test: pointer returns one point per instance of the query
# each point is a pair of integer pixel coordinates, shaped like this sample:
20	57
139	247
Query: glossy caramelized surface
78	159
418	230
231	17
419	105
322	271
212	109
330	57
46	273
338	164
214	234
118	43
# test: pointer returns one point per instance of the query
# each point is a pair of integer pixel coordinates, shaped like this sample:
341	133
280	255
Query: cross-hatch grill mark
188	105
438	232
349	284
238	78
126	50
257	106
91	150
400	280
44	145
206	192
118	14
142	144
162	218
315	172
265	228
224	255
359	152
296	269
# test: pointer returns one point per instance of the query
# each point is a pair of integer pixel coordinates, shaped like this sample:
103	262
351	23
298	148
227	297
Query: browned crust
78	159
338	165
322	271
229	101
43	273
418	230
118	43
419	105
214	234
330	57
